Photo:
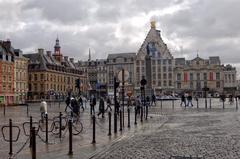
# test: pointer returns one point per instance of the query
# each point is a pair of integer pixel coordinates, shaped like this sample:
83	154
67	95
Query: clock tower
57	51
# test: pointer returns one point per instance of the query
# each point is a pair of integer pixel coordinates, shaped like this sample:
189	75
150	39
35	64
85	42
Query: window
218	76
198	76
154	69
164	83
169	75
159	75
159	83
154	75
164	69
35	87
179	85
198	85
179	77
164	62
169	68
205	76
159	62
191	76
159	68
205	84
35	77
169	62
218	85
164	76
42	77
191	85
170	83
153	62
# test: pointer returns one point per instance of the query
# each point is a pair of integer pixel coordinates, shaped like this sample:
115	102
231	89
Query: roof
121	55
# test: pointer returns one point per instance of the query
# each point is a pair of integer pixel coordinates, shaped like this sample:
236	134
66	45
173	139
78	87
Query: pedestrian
43	109
189	99
230	99
101	108
75	106
148	101
183	100
92	104
153	100
68	101
108	104
138	104
80	101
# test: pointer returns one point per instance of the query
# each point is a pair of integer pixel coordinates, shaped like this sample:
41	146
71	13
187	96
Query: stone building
117	62
230	82
6	72
52	75
193	75
21	77
155	63
101	77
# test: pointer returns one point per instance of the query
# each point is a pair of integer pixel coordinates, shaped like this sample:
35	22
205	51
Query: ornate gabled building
230	81
193	75
155	63
6	72
52	75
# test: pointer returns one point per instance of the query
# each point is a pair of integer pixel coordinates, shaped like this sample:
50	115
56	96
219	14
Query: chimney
40	50
66	58
72	60
49	53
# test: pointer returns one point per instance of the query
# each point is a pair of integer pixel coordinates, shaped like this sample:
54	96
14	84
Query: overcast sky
111	26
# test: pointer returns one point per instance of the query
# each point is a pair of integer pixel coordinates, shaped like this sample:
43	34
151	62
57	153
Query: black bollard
210	103
141	113
10	137
110	122
146	112
115	122
4	109
120	120
205	103
236	103
60	125
27	110
33	148
197	104
135	118
128	117
173	103
46	119
94	129
30	145
70	152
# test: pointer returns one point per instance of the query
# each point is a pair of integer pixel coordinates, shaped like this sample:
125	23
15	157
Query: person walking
68	101
93	102
148	101
101	107
108	104
153	100
43	109
80	101
75	106
183	100
189	99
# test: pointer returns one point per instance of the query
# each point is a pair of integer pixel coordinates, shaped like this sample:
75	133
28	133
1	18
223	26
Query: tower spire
89	55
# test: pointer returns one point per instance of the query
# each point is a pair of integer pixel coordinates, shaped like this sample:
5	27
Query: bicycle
75	118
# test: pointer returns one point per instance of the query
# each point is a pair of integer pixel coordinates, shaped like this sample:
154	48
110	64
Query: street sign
126	75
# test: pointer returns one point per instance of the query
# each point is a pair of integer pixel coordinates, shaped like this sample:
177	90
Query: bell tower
57	51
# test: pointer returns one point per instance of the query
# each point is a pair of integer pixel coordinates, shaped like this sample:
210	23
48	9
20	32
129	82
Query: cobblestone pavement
211	134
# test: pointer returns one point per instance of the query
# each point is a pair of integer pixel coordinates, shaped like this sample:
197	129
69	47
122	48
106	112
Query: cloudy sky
109	26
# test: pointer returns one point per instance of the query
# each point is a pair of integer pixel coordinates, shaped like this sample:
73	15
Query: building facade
52	75
21	77
155	63
194	75
116	63
6	72
230	81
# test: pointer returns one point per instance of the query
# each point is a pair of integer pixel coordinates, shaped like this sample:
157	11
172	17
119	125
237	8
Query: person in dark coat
101	107
75	106
153	100
189	99
68	101
93	102
108	104
80	101
183	100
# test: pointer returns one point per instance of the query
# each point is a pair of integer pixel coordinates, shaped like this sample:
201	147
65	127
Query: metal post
197	104
60	125
70	152
205	99
94	129
123	94
135	118
27	110
128	117
110	122
4	109
210	103
115	122
33	148
120	113
236	103
46	119
30	145
10	136
141	113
